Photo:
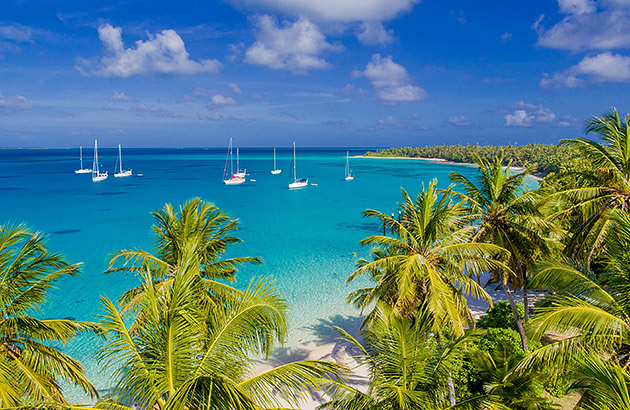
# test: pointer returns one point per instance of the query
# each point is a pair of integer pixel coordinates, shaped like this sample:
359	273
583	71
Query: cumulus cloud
526	115
601	68
211	116
119	96
391	81
374	33
292	46
400	123
505	36
459	121
567	121
588	25
14	103
340	122
338	11
156	111
220	100
235	88
162	53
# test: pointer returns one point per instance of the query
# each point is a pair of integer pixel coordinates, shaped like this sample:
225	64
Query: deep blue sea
306	237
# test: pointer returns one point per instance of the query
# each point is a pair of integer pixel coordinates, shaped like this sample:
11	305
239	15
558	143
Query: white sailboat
231	178
297	183
241	173
275	170
121	173
82	170
97	175
349	176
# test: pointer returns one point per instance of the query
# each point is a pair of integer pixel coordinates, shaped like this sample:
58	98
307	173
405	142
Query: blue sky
322	73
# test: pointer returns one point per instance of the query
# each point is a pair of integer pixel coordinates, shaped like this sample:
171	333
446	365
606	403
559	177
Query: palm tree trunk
450	386
525	300
517	317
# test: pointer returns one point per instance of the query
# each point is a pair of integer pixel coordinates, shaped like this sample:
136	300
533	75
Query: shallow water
306	237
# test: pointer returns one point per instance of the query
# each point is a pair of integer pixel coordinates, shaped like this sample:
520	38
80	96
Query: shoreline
535	174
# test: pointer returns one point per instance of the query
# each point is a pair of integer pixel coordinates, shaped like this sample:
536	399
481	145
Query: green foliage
543	158
500	315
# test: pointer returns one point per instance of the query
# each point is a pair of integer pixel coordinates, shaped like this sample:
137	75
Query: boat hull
276	171
300	183
234	181
123	174
349	178
99	177
83	171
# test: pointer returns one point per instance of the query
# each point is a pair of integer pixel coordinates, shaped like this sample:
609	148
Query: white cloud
156	111
604	67
505	36
119	96
374	33
527	115
340	122
219	100
338	11
588	25
400	123
459	121
295	47
235	88
162	53
391	81
211	116
567	121
14	103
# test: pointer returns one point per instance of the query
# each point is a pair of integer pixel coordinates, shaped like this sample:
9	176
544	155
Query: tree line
186	338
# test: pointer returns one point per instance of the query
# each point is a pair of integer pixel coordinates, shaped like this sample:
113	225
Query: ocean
308	238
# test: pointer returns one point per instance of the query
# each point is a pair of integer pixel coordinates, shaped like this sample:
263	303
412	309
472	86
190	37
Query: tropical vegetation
188	338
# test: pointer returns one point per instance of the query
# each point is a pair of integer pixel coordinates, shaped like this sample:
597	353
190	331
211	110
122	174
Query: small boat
242	173
231	178
275	170
349	176
121	173
97	175
82	170
297	183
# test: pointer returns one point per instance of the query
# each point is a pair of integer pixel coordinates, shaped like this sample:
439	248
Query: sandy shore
537	176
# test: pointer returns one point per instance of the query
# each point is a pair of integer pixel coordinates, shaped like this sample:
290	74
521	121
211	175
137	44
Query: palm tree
427	263
606	384
31	371
604	186
407	369
199	226
589	311
506	215
183	353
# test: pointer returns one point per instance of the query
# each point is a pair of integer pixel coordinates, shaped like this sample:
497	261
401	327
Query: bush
500	316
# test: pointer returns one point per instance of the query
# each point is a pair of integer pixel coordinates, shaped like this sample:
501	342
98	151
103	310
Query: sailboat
121	173
349	176
241	173
82	170
275	170
231	178
96	169
297	183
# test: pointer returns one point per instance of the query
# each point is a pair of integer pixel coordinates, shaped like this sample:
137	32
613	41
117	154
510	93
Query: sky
325	73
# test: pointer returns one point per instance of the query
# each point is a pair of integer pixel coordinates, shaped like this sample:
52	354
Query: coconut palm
32	371
602	187
406	367
606	384
427	261
505	214
186	354
199	226
589	311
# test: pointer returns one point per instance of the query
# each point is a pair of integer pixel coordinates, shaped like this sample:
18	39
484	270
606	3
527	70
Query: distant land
544	158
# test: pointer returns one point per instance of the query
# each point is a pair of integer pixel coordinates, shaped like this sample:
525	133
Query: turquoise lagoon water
306	237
